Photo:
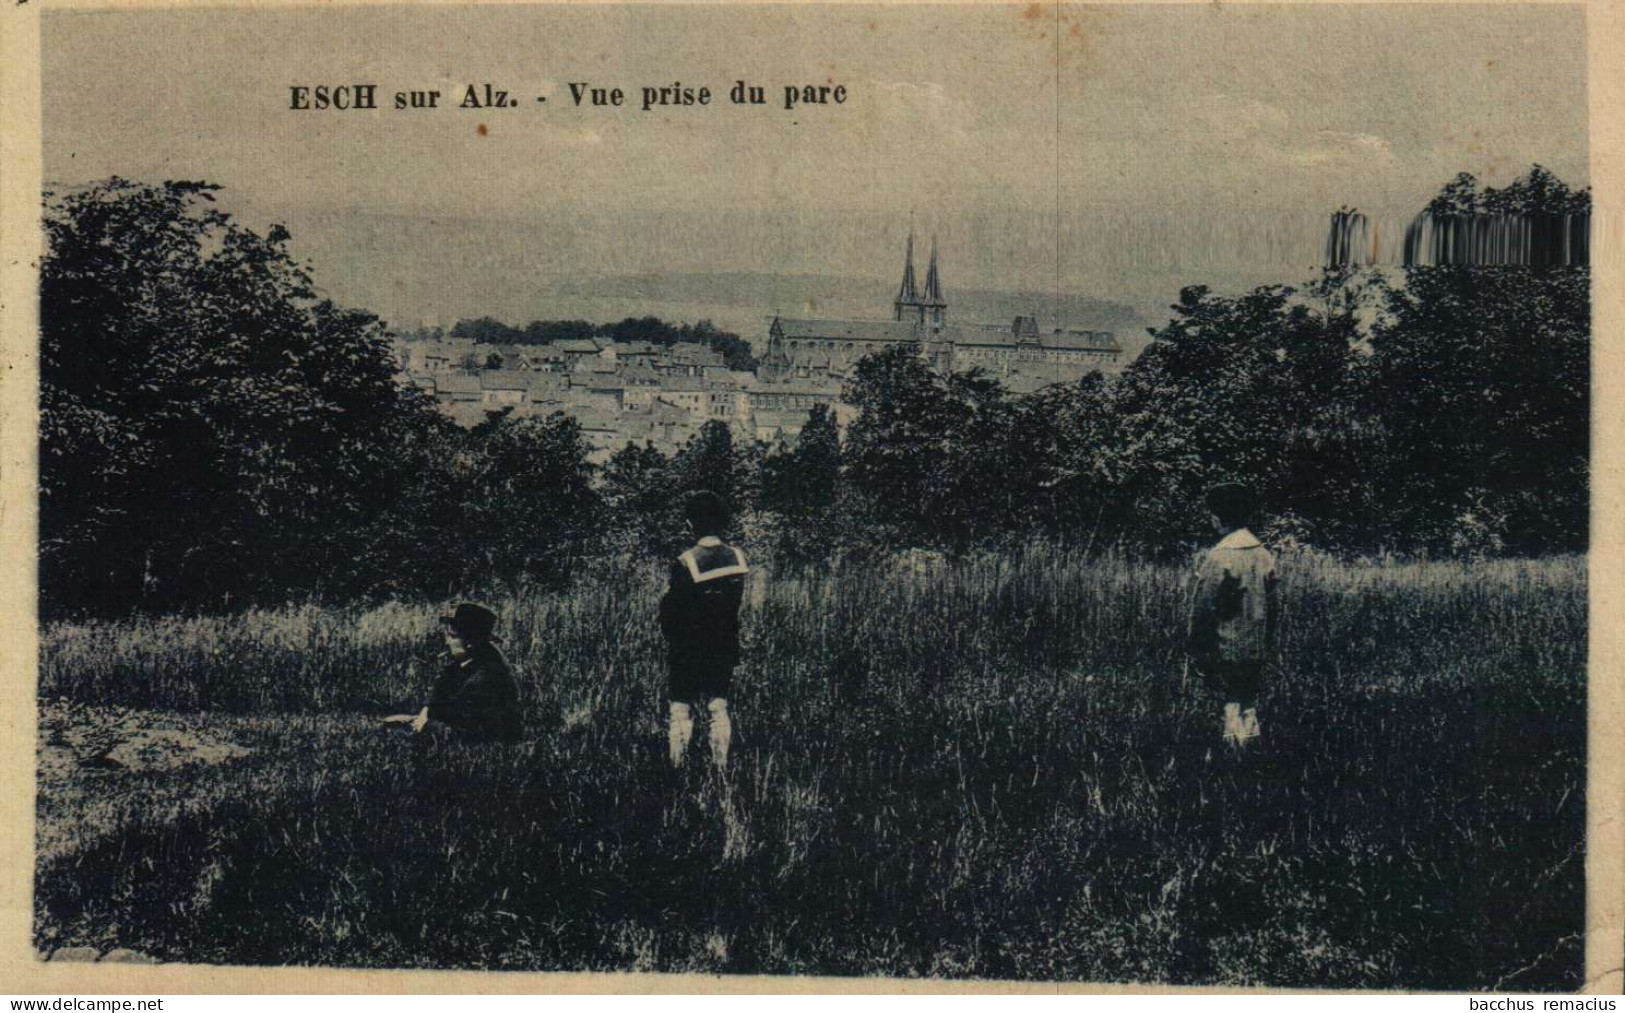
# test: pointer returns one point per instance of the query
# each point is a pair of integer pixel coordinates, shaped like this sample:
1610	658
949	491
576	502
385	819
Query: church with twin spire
1016	353
926	309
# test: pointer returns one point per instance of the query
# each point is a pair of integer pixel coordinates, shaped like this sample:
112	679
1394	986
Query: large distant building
801	349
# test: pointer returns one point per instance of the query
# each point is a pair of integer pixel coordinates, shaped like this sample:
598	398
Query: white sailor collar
1240	538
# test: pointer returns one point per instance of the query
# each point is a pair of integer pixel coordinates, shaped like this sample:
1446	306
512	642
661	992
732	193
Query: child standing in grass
1233	613
699	617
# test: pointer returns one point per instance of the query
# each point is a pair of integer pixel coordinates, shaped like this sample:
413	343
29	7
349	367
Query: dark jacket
476	696
700	613
1233	606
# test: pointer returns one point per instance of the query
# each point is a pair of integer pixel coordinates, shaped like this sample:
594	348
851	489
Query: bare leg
679	732
1248	678
722	732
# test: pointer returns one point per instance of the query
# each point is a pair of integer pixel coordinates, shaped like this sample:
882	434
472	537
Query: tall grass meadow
990	767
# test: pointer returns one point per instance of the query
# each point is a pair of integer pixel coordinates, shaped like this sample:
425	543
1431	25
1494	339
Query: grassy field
987	770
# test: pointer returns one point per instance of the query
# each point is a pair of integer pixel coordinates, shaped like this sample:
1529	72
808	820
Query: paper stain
1079	30
481	130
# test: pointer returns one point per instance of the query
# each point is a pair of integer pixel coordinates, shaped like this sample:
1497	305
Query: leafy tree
529	508
543	332
406	550
1196	405
1537	192
501	507
735	351
487	331
211	430
933	457
750	474
638	493
803	487
1080	461
708	462
650	329
987	490
897	445
1259	389
806	479
1481	377
1469	225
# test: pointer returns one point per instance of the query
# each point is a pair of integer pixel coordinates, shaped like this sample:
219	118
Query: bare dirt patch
116	738
96	763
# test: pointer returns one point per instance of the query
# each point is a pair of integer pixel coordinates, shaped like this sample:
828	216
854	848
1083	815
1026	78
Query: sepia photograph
1033	493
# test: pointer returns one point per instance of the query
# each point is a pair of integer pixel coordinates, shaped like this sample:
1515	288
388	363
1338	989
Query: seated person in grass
1233	613
699	616
475	698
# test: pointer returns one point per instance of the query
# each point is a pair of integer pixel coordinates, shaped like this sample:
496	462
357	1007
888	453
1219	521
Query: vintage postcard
780	495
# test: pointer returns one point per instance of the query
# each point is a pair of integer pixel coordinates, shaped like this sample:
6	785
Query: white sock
679	732
722	732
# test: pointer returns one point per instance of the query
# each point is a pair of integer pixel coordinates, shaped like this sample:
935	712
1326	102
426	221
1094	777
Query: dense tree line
210	428
735	351
213	432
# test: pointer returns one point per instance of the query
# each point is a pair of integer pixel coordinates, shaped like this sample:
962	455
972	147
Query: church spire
933	303
907	296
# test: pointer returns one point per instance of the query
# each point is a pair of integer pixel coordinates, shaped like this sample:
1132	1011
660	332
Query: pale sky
1187	144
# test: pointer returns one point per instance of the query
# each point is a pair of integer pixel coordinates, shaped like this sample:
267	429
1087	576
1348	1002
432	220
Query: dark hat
471	621
1232	502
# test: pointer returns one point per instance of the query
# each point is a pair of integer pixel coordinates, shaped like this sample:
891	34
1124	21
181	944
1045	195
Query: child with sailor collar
699	617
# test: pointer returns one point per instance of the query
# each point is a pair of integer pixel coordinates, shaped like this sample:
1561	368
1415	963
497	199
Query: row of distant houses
618	393
640	394
449	354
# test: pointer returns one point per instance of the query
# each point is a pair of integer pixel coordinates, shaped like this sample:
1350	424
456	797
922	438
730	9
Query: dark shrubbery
210	429
735	351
